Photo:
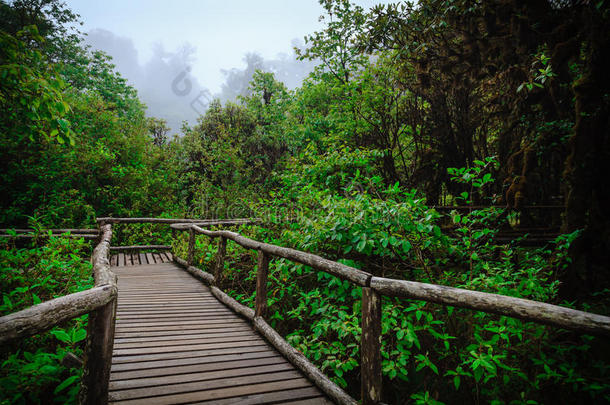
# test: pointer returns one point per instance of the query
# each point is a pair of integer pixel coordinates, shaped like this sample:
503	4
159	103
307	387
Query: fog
168	86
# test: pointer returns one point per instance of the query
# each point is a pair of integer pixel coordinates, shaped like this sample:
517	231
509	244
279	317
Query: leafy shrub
32	369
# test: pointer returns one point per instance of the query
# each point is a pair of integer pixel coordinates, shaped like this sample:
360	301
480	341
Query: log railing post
191	251
100	328
261	284
220	258
371	346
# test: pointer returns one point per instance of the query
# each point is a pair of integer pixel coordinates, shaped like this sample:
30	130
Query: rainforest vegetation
498	108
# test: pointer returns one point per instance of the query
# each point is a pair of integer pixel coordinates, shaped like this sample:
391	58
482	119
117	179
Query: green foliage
32	369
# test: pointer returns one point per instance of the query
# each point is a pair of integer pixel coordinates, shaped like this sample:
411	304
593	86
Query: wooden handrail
45	231
210	222
340	270
372	290
528	310
44	316
487	302
99	302
141	247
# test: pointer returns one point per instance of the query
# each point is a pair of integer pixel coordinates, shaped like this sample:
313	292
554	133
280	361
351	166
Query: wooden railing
99	302
33	233
373	288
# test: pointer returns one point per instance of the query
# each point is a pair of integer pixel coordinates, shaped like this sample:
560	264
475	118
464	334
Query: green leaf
80	335
456	382
61	335
65	383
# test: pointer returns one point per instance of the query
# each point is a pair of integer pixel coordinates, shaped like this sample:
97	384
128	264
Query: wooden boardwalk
175	343
138	259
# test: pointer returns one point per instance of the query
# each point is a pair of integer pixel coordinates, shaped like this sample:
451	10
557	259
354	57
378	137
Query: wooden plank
177	333
198	376
121	260
201	386
211	324
172	309
143	258
189	354
310	401
199	358
149	258
183	348
161	344
219	393
169	306
311	393
157	258
163	369
135	257
170	257
201	313
173	338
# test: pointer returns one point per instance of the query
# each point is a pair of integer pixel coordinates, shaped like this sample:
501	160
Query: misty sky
152	42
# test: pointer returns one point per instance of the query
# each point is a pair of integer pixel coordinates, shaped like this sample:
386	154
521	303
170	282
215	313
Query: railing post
191	251
220	258
371	346
261	284
100	332
96	376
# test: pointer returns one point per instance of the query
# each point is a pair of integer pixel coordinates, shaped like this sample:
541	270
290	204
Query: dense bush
32	370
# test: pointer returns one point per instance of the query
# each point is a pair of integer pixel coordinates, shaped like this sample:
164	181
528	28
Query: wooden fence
100	303
372	290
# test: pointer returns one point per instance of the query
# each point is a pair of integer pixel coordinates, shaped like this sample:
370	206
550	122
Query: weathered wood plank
181	348
149	258
226	362
312	394
216	394
176	337
162	344
153	392
188	356
143	258
198	376
146	334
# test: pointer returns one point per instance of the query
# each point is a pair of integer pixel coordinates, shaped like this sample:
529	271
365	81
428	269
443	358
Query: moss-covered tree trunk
588	165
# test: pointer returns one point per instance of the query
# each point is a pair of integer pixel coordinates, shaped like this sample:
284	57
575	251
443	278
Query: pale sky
221	31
